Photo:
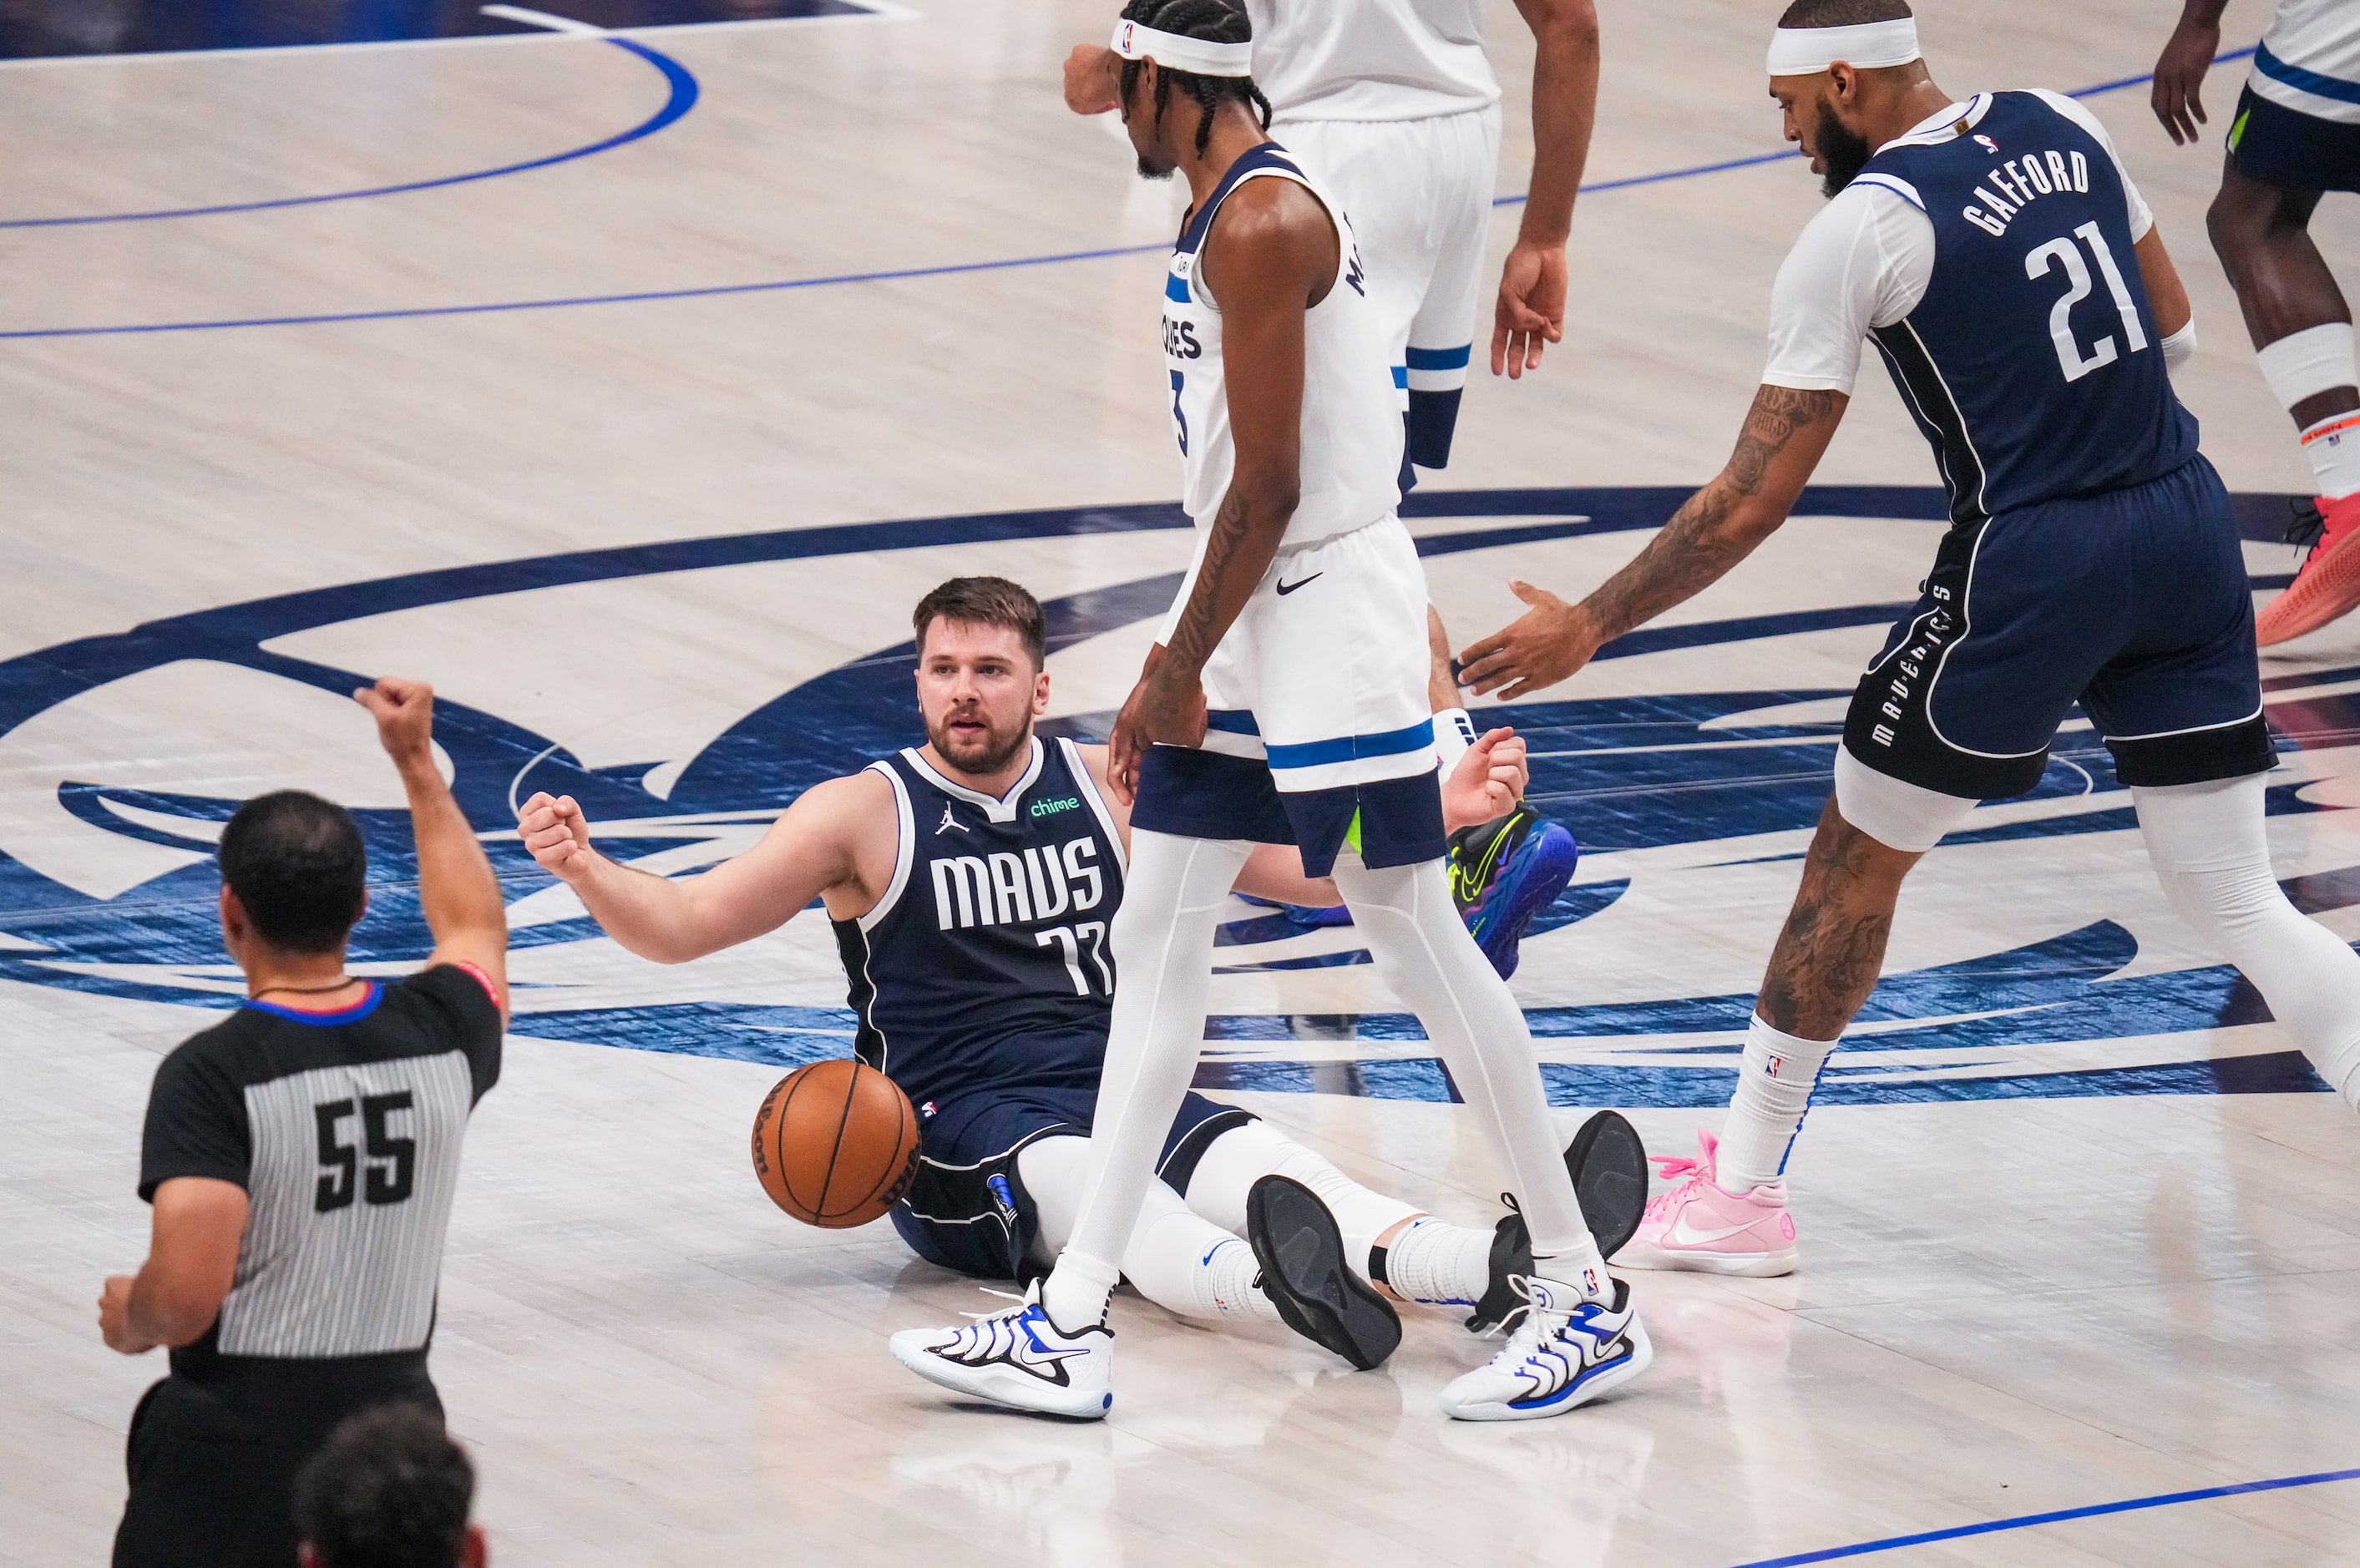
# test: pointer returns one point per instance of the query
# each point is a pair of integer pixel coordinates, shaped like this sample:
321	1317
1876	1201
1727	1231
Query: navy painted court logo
107	882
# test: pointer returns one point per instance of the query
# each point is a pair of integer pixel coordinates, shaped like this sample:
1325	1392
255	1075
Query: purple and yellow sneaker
1504	872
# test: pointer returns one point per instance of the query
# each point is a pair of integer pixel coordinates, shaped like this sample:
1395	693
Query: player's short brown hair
985	602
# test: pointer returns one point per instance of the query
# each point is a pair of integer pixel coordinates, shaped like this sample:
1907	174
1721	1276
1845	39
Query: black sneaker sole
1305	1274
1609	1167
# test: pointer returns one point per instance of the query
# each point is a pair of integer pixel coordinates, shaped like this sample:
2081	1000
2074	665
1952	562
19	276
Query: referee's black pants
215	1449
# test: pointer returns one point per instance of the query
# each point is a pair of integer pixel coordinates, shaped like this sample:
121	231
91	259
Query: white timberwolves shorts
1320	734
1418	193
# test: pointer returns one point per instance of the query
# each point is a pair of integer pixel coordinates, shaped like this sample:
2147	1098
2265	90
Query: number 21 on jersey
2065	254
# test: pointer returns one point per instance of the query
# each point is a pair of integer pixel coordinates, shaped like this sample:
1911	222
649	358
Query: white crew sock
1773	1088
1234	1161
2333	447
1439	1265
1163	937
2211	848
1422	950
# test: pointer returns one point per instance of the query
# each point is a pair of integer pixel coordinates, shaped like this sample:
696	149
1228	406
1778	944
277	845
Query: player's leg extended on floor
1424	1259
1173	894
1176	1259
2301	329
2211	849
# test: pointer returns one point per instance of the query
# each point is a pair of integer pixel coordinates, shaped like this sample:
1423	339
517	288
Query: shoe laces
2307	529
1673	1167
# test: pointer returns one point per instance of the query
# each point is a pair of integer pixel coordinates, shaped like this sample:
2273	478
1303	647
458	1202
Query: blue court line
681	100
895	275
2024	1522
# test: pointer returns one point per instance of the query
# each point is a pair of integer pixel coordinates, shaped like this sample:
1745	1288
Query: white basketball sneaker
1018	1358
1568	1349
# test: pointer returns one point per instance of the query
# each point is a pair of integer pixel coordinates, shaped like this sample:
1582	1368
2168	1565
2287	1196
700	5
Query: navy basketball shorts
2285	148
1320	732
2132	603
968	1210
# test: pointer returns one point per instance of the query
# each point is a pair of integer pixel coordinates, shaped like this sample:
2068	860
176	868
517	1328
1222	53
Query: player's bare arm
1486	782
456	890
1272	255
2180	71
1785	433
1530	312
192	1262
2167	296
835	844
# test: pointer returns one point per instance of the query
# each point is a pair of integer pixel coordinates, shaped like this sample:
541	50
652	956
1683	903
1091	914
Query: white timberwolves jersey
1371	60
1351	440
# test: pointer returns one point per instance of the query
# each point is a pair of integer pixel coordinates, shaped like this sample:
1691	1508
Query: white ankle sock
1076	1293
1439	1265
2333	447
1773	1088
1226	1285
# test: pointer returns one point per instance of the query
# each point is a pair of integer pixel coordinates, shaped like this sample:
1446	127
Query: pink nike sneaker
1699	1227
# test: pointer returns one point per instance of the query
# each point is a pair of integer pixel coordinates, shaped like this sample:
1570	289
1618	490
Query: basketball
835	1143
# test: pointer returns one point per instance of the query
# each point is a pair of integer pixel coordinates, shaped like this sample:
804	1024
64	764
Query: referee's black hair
1842	12
1215	21
389	1489
298	870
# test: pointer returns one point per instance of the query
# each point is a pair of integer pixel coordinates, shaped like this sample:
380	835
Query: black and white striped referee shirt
344	1129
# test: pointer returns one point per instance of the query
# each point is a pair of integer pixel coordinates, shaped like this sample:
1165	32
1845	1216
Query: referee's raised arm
457	889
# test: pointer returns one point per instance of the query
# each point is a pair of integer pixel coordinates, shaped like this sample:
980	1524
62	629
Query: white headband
1173	52
1806	52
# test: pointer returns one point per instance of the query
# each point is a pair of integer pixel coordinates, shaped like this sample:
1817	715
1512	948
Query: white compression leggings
1171	1257
1163	937
2211	848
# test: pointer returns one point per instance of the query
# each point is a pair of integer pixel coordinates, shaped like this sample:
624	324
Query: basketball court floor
631	389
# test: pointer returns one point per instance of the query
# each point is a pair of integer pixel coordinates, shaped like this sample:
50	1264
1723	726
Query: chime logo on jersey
1007	888
108	884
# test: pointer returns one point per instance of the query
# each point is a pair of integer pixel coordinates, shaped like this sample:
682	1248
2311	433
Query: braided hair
1215	21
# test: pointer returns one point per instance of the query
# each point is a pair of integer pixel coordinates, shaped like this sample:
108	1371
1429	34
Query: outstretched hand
1166	707
404	711
1488	780
1530	312
1546	645
558	836
1091	85
2180	77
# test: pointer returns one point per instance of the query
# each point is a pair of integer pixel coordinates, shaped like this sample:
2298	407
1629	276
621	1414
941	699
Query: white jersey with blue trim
1371	60
1351	438
2309	59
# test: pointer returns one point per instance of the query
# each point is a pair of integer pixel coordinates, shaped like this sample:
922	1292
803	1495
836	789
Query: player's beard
1844	151
998	749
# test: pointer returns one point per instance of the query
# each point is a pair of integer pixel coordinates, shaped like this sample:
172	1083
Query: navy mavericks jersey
986	964
2033	363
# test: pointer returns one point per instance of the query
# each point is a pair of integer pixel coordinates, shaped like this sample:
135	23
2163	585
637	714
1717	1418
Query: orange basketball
835	1143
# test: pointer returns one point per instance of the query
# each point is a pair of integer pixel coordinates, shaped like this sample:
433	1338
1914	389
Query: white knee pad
1907	817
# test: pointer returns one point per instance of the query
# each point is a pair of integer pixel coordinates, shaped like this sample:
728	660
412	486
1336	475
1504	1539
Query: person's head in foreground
389	1490
294	878
1846	73
982	677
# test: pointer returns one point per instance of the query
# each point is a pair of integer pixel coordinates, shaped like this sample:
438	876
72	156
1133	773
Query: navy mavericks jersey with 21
2033	363
986	963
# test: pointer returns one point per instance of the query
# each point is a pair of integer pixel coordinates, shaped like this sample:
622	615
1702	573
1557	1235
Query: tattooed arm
1269	257
1786	432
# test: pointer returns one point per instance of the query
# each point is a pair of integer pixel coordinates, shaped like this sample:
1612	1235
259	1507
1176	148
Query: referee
301	1156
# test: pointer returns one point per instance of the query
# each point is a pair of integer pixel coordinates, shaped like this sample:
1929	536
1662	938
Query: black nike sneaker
1306	1277
1609	1167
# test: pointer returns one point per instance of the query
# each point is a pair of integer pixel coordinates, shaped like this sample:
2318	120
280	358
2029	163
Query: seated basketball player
971	882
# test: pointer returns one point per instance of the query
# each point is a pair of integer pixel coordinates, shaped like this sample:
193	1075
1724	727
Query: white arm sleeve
1864	261
2142	220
